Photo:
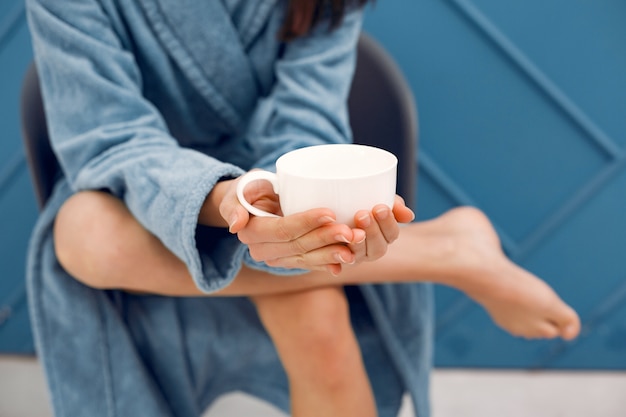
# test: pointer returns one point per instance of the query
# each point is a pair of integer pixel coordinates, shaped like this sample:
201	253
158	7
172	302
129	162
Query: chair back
42	163
383	112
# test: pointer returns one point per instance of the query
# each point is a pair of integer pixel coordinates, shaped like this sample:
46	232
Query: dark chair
382	113
42	163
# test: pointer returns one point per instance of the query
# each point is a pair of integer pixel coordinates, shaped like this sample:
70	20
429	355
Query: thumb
238	219
232	211
402	213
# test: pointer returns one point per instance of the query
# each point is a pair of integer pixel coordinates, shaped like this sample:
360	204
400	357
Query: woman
155	108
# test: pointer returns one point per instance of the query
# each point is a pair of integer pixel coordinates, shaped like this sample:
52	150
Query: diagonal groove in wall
516	252
618	158
599	313
11	22
12	302
496	37
574	203
457	194
11	169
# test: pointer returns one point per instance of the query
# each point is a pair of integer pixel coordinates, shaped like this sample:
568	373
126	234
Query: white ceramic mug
343	177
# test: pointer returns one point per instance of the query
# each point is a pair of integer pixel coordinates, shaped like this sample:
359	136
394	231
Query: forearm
459	249
136	260
404	262
209	213
169	276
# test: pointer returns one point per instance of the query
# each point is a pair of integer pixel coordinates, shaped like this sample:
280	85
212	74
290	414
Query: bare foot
516	300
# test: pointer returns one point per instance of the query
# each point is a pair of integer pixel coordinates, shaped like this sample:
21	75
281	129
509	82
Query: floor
456	393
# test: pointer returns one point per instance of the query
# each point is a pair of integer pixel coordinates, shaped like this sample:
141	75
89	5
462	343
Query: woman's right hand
309	240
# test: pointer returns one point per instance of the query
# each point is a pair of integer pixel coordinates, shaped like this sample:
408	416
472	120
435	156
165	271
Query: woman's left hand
308	240
382	227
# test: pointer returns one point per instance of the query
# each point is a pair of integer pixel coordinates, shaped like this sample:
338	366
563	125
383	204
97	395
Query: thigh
313	307
313	324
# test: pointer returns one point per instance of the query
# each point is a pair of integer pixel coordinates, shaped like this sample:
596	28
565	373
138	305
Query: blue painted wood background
522	113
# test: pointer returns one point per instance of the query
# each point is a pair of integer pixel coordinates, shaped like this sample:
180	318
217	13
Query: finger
334	269
401	212
319	259
359	246
386	222
261	195
376	244
258	193
232	211
331	234
238	219
285	229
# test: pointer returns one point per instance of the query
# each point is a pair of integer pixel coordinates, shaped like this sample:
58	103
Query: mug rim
390	162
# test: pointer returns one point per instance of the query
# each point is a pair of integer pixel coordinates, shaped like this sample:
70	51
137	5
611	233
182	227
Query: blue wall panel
17	205
521	108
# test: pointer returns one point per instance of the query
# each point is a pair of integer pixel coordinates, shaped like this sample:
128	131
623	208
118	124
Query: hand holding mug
310	240
344	179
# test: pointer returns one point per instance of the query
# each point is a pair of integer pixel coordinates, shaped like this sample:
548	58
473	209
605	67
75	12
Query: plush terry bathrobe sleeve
308	103
107	136
127	354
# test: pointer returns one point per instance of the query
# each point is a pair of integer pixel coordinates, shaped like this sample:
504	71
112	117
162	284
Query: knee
313	334
326	342
83	229
325	321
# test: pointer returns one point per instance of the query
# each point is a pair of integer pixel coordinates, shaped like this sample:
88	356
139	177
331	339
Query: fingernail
331	271
364	221
341	260
232	221
326	220
382	213
359	236
341	238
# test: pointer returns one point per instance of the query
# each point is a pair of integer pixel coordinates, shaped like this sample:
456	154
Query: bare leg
310	328
459	249
316	344
516	300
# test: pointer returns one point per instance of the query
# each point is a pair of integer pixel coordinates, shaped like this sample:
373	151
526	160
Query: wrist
210	211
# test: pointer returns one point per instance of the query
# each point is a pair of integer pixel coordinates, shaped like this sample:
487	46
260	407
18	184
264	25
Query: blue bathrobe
155	101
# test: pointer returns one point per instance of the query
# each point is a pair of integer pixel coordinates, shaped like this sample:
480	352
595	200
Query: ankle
459	249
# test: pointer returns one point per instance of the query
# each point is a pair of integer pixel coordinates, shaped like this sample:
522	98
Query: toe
547	331
571	330
569	324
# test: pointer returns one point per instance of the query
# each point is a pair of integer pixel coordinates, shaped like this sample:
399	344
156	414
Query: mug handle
255	176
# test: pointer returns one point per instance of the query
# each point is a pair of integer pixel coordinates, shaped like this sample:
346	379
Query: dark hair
303	15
